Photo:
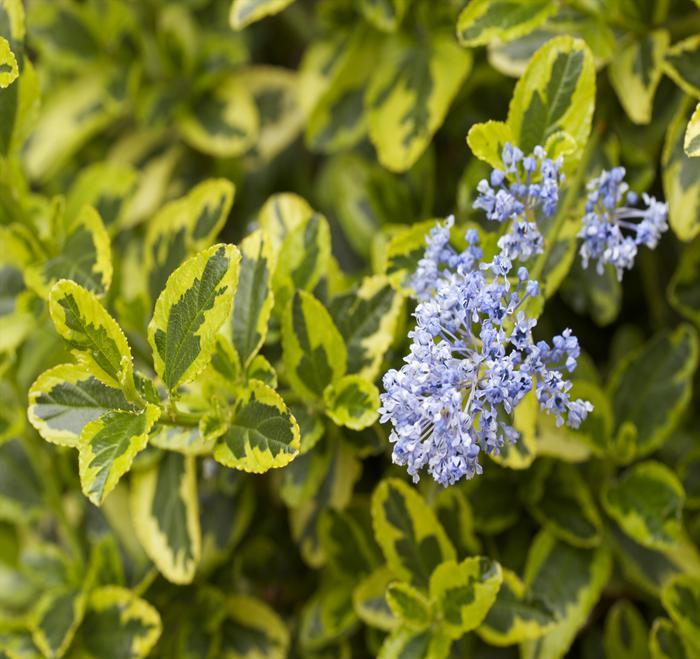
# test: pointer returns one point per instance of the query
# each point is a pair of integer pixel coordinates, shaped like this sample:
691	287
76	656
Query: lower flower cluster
472	360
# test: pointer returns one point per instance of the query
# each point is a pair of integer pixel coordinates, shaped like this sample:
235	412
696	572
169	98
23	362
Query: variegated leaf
69	118
303	258
165	511
691	143
262	435
569	580
464	592
556	93
681	177
108	446
8	64
369	599
328	616
253	301
64	399
106	186
517	615
314	350
56	619
367	318
223	122
188	313
647	503
83	256
484	21
184	227
117	624
682	64
248	618
352	402
412	540
635	73
92	334
409	95
425	644
409	605
245	12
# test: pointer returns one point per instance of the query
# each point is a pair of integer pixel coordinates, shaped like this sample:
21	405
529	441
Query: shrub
261	399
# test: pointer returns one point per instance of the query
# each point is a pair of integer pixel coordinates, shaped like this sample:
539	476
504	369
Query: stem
572	195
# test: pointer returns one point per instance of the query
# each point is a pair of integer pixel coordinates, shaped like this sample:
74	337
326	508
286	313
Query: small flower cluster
472	360
534	192
606	220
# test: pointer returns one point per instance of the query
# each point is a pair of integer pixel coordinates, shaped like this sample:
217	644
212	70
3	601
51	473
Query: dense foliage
222	228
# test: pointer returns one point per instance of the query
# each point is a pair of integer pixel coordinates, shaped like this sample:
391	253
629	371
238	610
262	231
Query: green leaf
345	544
303	258
411	90
569	580
245	12
465	592
681	178
56	619
652	387
253	300
184	227
328	616
313	349
196	301
117	624
262	435
647	502
352	402
404	643
484	21
405	248
93	336
556	93
367	318
409	605
369	599
681	598
626	633
64	399
635	73
303	477
7	61
165	513
567	508
409	534
682	60
251	629
665	642
106	186
517	615
109	445
223	121
691	143
684	288
21	490
83	255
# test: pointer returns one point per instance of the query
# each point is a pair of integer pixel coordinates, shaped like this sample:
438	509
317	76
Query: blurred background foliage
361	108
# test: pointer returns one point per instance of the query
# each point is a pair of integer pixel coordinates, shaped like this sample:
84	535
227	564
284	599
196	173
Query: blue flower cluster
533	190
606	221
472	360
